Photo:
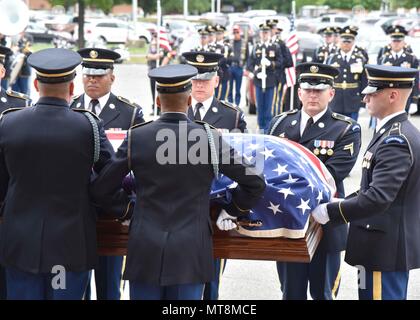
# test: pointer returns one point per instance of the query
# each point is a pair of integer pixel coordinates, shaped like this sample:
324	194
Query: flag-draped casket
279	226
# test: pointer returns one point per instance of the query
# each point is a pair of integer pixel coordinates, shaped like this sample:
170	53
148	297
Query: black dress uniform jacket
117	113
345	133
170	232
12	99
222	115
349	83
407	49
46	160
322	53
272	53
384	230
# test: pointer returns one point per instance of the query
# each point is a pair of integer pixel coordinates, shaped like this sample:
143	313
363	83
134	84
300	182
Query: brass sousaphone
14	17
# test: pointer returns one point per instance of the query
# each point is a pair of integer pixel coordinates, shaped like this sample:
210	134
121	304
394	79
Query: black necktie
309	123
93	104
197	115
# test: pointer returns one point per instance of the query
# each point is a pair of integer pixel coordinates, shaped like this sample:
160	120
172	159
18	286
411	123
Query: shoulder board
8	111
84	110
342	117
203	123
293	111
76	97
140	124
228	105
132	104
17	95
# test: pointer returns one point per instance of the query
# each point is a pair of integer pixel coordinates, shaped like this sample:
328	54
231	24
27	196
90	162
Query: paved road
245	279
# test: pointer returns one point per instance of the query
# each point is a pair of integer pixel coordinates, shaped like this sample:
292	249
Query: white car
113	31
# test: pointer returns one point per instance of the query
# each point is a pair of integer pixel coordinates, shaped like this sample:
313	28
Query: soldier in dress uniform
47	155
263	65
287	63
335	140
399	56
223	47
204	40
384	237
219	114
117	113
170	243
237	61
322	53
396	33
9	98
349	83
357	48
212	37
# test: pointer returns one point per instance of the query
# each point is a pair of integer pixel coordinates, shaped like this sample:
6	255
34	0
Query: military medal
323	147
330	145
367	159
317	144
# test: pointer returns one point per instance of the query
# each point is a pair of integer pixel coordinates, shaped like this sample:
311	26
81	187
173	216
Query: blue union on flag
297	182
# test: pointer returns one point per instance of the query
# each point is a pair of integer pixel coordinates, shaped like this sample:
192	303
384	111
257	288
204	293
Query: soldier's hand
320	214
225	221
251	75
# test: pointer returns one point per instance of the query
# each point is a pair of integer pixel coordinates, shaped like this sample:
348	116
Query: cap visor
319	86
369	90
94	72
204	76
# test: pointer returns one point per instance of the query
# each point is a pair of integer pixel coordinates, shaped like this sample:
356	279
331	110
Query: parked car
39	32
113	31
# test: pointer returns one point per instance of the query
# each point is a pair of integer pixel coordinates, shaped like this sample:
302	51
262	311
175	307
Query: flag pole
292	88
159	22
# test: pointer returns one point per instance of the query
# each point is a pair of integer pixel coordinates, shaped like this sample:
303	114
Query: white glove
266	62
224	221
251	75
320	214
412	109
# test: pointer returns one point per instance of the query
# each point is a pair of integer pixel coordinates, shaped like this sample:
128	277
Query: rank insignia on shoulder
394	139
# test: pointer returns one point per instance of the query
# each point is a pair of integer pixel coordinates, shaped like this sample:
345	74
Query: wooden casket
113	237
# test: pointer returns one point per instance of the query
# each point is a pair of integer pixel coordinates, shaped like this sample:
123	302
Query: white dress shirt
304	117
382	122
102	102
204	108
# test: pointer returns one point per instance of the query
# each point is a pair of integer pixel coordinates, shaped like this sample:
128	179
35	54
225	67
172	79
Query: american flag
293	45
164	39
297	182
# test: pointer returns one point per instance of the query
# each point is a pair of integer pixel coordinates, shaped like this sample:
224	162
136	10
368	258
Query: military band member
220	114
384	236
335	140
224	48
170	254
237	61
49	224
287	63
116	113
153	56
322	53
263	65
9	98
349	83
204	40
399	56
396	33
